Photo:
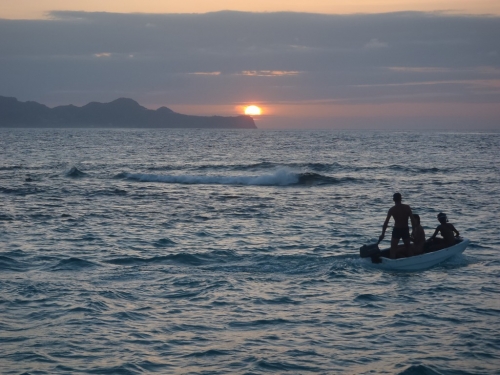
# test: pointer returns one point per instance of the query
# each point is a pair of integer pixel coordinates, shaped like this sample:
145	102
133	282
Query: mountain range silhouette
120	113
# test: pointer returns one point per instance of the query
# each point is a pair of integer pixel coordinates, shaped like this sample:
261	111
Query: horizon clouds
393	70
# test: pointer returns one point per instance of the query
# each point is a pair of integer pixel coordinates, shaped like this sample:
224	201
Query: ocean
237	252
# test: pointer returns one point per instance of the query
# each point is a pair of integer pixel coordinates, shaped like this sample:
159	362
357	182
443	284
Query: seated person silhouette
417	236
447	230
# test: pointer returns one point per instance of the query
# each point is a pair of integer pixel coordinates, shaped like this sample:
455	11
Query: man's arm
412	219
435	233
384	227
454	230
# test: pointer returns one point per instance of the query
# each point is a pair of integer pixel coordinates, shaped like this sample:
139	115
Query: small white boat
423	261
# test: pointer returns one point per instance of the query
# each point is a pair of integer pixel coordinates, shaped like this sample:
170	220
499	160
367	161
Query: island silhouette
120	113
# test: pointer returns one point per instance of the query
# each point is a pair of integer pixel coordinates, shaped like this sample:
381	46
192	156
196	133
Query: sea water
237	252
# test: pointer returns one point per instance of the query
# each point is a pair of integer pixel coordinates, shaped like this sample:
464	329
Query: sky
317	64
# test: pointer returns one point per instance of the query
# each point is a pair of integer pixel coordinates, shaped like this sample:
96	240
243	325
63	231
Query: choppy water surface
236	252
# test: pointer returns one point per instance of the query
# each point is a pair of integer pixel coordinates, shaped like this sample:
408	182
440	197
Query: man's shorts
403	233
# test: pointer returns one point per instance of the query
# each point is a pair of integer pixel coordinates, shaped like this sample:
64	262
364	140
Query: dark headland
120	113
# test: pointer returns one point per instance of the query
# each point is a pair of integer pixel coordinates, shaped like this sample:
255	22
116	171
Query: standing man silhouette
401	213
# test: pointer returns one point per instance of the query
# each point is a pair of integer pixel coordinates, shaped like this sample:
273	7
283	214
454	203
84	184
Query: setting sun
252	110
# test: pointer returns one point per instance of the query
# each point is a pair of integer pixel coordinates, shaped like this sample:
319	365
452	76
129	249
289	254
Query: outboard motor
367	251
370	251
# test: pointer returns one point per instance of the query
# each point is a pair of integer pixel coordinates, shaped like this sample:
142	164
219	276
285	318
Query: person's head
397	198
417	218
442	218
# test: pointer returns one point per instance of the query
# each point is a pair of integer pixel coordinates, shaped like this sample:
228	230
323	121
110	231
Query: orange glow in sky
29	9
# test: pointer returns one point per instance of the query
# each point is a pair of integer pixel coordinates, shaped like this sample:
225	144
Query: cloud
206	73
477	83
77	57
375	43
419	69
268	73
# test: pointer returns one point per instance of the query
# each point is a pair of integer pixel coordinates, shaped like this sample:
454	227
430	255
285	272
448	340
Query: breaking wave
281	177
75	172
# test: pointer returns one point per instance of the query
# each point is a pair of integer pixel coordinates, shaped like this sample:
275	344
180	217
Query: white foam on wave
281	177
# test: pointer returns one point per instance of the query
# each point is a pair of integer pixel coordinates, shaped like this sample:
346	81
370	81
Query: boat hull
419	262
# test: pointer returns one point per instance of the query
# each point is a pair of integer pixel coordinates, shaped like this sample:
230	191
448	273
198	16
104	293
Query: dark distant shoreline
120	113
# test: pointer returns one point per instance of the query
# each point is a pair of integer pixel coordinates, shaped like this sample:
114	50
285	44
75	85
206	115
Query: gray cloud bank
234	57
